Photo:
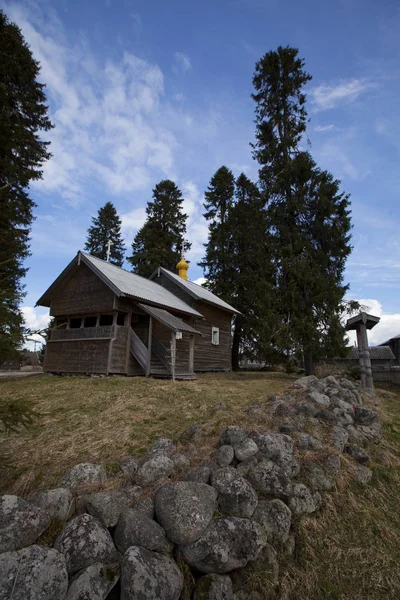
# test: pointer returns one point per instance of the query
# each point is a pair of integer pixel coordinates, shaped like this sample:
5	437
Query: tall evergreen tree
308	217
106	227
23	115
161	239
217	262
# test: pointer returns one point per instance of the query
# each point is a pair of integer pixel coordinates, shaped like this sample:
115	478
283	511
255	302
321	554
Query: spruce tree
106	227
23	116
308	217
217	262
160	242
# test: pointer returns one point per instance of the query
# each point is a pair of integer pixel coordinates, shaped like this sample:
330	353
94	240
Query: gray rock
191	434
282	408
58	503
222	476
306	409
244	467
346	383
304	382
238	498
303	500
83	474
224	455
364	434
180	461
291	427
33	573
84	541
161	447
135	529
94	582
365	416
272	445
319	399
107	506
288	463
227	544
330	463
327	416
255	411
308	442
361	474
185	509
315	476
197	474
339	437
213	587
133	493
245	449
357	453
21	523
129	466
275	517
342	417
330	380
145	506
154	469
290	545
269	479
148	575
232	435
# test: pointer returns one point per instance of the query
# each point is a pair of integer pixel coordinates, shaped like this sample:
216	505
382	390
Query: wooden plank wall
86	356
82	293
118	350
207	356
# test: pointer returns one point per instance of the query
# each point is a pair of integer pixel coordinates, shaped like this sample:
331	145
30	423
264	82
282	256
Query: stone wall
181	525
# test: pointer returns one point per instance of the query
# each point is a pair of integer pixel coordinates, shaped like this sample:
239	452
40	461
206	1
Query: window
106	320
61	323
121	318
215	336
75	323
90	322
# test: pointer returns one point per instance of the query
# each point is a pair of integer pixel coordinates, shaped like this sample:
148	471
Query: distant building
394	344
382	357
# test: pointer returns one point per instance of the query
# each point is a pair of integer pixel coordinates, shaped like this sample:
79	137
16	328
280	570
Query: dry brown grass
102	420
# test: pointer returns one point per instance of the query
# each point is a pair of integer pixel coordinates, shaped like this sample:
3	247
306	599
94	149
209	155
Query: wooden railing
139	350
161	352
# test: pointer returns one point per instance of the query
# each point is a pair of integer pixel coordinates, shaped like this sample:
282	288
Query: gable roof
170	321
375	353
198	292
123	283
395	337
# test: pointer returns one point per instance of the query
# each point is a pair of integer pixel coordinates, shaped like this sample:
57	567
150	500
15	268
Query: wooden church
111	321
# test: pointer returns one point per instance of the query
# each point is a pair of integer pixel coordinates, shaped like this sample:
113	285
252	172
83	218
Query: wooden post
149	340
191	353
364	358
173	354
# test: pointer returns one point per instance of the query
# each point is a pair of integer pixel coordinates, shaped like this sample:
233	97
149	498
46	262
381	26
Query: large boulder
272	445
135	529
185	509
315	476
227	544
305	441
365	416
357	453
129	466
21	523
224	455
362	474
145	506
304	382
245	450
161	447
156	468
319	399
84	541
58	503
232	435
107	506
213	587
96	581
83	474
33	573
223	476
147	575
275	517
303	500
339	437
198	474
238	498
269	479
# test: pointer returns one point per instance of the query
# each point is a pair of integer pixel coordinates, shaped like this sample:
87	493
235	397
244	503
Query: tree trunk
308	362
237	335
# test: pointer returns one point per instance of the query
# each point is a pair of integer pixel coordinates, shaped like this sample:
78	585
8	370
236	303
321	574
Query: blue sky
143	91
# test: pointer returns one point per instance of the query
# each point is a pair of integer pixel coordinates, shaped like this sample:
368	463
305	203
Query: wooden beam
173	354
150	336
191	353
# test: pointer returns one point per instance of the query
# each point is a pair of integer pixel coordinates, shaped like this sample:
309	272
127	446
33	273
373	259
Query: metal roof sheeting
170	321
198	292
130	284
376	353
395	337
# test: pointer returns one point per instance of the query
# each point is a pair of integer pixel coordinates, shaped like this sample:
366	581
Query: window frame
215	336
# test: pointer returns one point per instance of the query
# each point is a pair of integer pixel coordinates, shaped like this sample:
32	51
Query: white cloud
131	223
321	128
388	326
36	320
200	280
182	63
329	96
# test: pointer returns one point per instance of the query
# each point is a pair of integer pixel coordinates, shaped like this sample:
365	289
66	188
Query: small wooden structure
360	323
394	344
109	320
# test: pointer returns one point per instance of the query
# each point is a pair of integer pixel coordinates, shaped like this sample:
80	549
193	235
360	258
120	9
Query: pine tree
217	263
23	115
161	239
106	227
308	217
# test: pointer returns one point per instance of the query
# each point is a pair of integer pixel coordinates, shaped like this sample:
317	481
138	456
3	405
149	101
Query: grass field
350	550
